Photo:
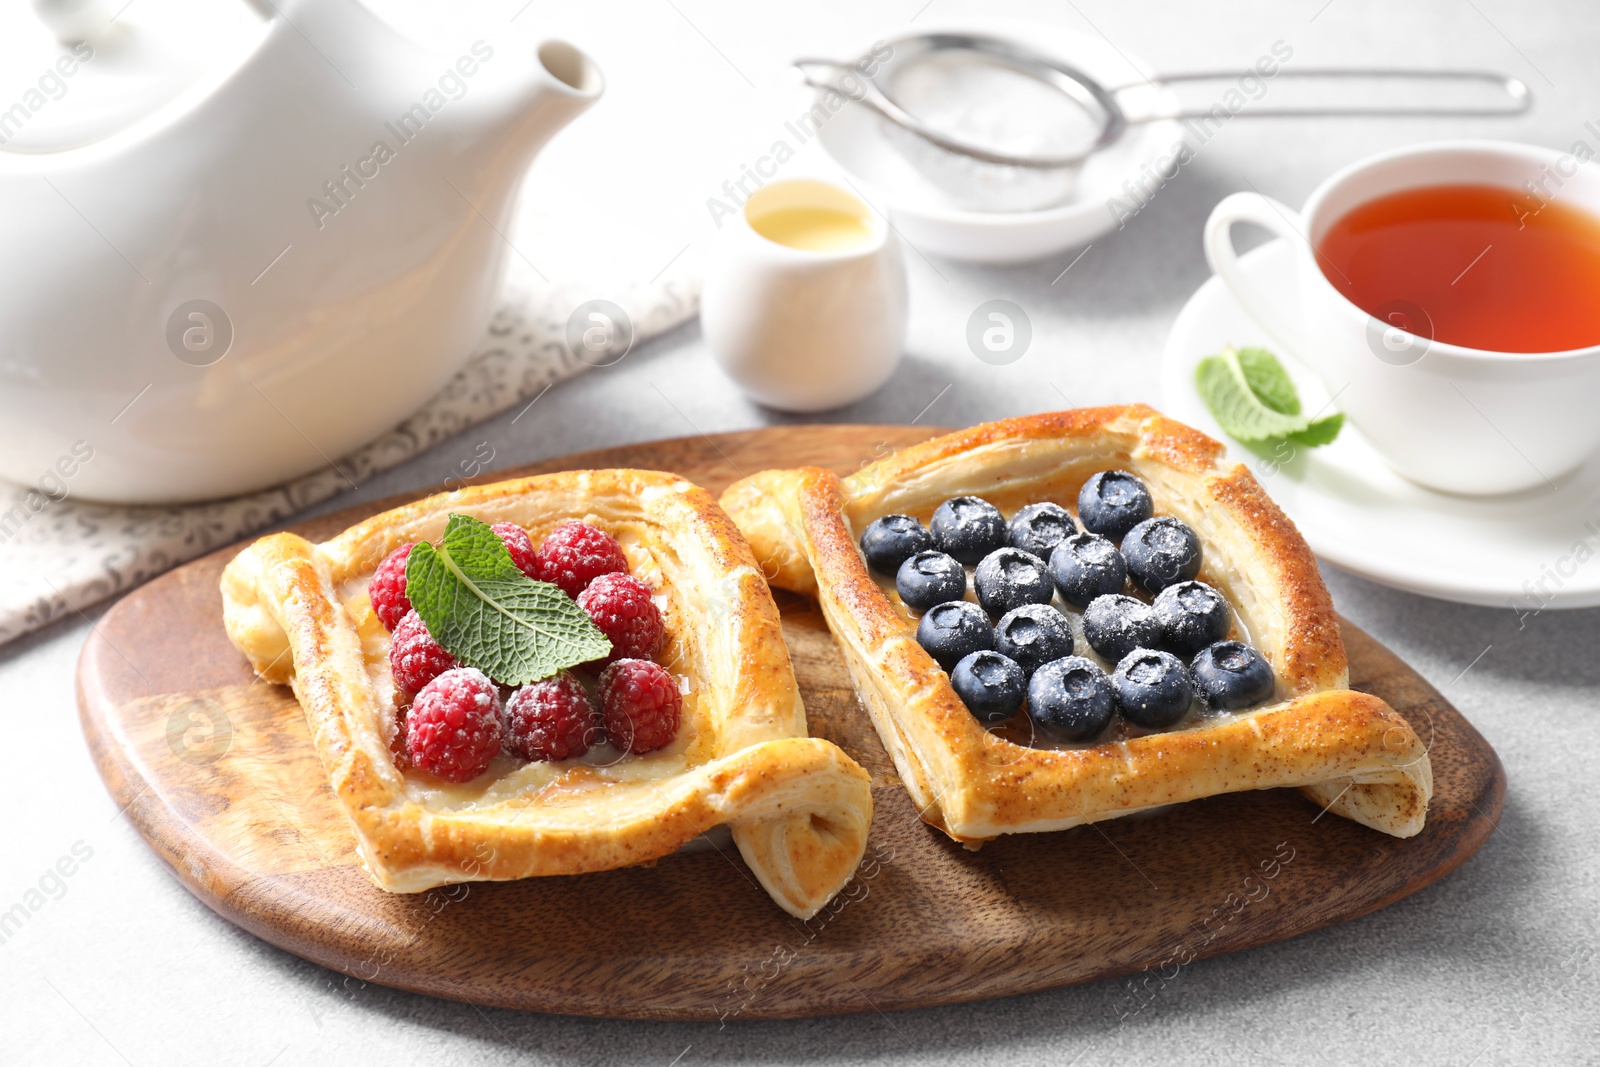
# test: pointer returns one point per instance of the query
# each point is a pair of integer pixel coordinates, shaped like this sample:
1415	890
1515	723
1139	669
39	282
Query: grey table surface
1495	964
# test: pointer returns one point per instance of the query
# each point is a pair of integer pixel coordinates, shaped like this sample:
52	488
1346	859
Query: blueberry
892	540
1033	635
1070	699
1039	528
930	578
1009	578
1192	615
1113	502
989	684
951	631
1153	688
968	528
1231	675
1115	625
1161	552
1086	566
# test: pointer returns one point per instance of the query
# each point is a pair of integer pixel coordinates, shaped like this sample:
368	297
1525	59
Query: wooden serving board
218	773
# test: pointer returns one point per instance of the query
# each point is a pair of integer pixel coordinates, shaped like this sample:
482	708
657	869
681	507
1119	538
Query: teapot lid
73	72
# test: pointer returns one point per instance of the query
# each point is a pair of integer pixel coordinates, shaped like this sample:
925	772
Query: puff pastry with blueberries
797	806
1244	685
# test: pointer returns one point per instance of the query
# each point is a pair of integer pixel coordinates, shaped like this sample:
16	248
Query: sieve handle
1518	97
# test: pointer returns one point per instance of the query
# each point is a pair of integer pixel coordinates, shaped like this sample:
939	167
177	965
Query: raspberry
415	658
575	554
520	545
387	590
621	607
639	702
453	729
551	720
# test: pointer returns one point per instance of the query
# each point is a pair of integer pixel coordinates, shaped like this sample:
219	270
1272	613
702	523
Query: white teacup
1458	419
804	329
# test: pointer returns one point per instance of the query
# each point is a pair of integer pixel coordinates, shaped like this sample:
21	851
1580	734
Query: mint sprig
1268	380
1254	400
489	615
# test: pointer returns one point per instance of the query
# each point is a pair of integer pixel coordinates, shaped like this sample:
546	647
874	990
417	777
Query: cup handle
1284	222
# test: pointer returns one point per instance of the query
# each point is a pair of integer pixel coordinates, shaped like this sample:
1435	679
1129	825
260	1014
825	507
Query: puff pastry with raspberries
797	806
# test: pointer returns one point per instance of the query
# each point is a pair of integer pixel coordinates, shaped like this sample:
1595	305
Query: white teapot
220	267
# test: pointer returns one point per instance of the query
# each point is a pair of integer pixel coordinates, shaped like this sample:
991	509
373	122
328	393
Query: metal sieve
1000	127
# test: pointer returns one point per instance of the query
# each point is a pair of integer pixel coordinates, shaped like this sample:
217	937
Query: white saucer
1525	551
934	225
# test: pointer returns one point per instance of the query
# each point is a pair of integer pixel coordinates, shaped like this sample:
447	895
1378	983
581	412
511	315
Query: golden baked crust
1346	750
798	807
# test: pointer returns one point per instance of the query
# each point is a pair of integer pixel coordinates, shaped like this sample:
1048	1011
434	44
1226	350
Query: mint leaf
1269	381
489	615
1255	401
1321	432
1226	391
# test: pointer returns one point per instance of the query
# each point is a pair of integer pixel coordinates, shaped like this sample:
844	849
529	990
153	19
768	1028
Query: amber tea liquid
1491	268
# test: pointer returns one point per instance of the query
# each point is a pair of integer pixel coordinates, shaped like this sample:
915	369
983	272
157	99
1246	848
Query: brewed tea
1488	265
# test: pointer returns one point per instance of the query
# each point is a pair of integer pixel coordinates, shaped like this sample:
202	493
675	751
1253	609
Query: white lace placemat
60	557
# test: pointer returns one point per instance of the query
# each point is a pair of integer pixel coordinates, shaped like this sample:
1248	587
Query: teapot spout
574	71
528	100
563	84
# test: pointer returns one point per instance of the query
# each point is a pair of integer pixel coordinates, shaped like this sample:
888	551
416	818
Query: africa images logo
801	129
51	85
343	187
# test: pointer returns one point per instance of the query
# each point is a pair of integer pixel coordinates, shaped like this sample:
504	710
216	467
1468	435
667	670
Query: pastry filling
514	666
1062	629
